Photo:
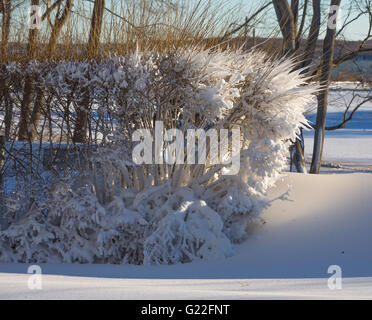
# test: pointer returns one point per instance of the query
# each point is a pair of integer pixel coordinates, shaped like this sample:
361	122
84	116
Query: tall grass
148	24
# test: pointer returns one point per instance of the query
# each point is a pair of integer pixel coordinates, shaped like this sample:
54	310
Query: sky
356	30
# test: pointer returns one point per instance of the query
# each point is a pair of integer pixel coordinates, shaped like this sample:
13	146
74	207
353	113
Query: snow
315	221
345	146
352	143
323	220
66	287
73	218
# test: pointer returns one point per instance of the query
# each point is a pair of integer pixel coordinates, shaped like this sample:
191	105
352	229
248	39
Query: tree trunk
287	18
286	22
5	99
297	156
51	48
95	28
23	133
8	117
36	112
313	37
32	36
57	27
5	30
80	130
81	124
327	60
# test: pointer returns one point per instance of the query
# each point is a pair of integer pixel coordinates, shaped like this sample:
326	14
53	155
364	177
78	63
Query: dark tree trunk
287	17
24	132
81	124
36	112
5	28
8	117
57	27
326	66
95	28
5	31
297	156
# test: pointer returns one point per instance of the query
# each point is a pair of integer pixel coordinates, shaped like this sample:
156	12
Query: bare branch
247	21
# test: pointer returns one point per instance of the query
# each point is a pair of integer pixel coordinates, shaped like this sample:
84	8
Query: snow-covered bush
116	211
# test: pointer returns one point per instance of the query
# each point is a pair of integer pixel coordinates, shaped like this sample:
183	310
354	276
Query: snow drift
287	257
112	210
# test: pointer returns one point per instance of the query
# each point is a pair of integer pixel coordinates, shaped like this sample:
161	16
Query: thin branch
50	9
346	118
247	22
301	29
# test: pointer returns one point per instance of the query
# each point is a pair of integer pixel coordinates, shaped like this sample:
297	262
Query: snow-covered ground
325	220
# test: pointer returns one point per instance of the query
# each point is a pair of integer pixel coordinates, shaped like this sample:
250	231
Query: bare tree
326	63
28	123
293	36
57	26
59	22
28	92
287	16
6	8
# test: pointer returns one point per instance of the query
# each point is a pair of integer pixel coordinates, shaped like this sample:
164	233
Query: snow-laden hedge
115	211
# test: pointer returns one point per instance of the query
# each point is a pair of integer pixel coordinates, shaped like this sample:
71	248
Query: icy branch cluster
115	211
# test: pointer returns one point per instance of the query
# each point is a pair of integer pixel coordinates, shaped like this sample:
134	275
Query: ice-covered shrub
116	211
